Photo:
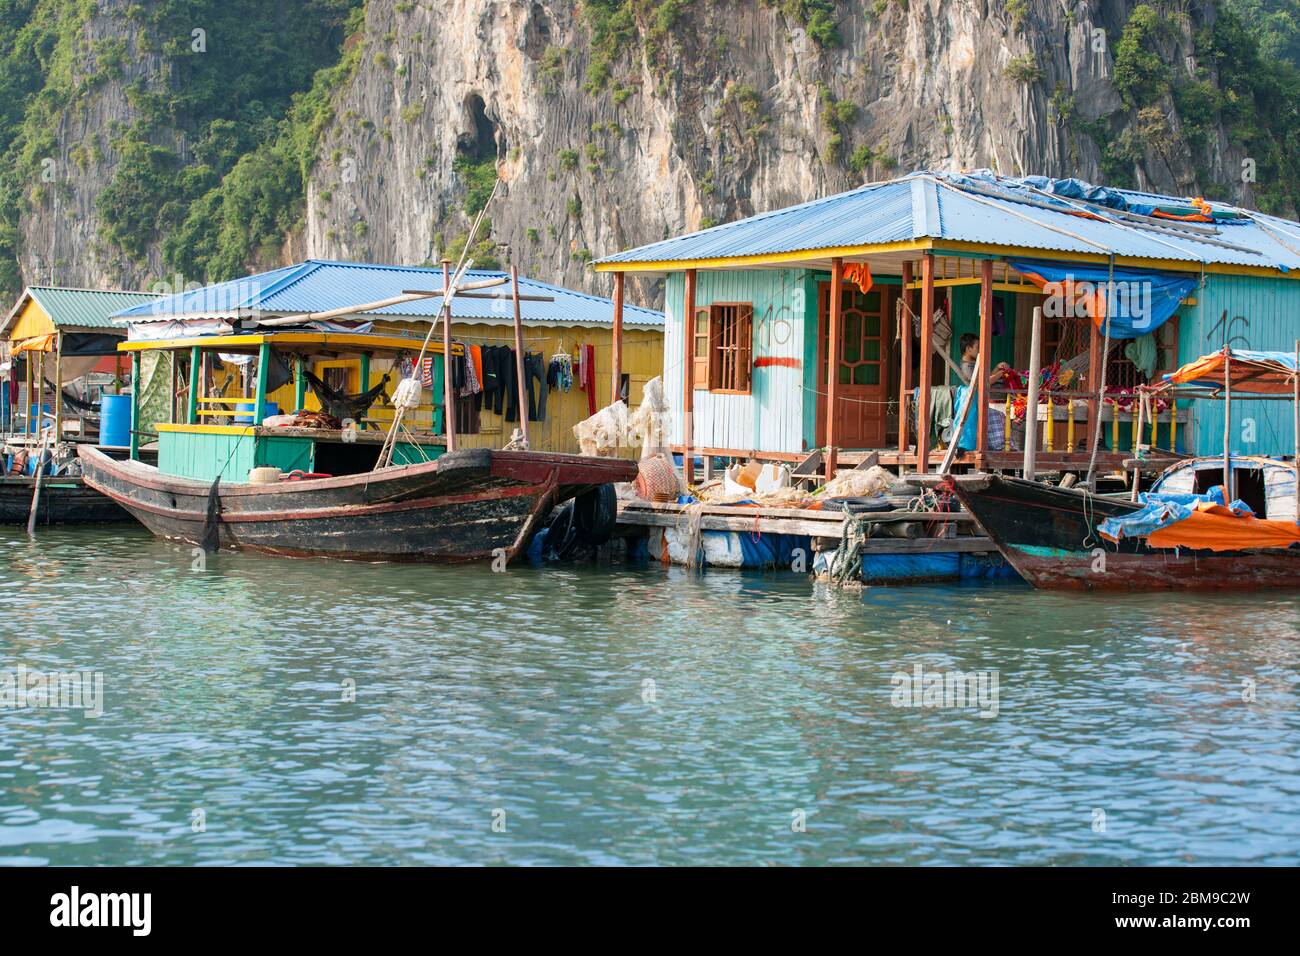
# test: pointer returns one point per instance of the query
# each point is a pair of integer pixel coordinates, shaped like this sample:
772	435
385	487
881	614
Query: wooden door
862	402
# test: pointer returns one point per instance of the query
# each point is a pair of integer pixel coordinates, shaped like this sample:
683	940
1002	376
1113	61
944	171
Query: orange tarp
1216	528
1256	378
39	343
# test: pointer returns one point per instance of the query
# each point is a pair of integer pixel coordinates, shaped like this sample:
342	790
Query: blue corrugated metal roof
319	286
959	208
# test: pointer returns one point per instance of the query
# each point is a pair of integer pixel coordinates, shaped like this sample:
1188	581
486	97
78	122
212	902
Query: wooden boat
1050	536
472	504
428	504
1062	538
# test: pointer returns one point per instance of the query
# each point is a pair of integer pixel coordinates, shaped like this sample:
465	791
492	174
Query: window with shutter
731	347
702	348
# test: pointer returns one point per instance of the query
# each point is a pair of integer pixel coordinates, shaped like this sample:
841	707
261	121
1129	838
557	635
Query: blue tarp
1141	301
1162	509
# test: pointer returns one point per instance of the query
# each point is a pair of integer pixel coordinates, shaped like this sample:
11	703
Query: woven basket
656	480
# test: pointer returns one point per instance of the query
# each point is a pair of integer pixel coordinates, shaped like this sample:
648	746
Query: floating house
620	343
881	283
54	337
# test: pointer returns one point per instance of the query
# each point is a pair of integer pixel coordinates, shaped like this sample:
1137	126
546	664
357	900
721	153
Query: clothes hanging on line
559	373
587	375
536	395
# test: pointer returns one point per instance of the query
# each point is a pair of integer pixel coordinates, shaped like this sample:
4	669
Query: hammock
342	405
73	401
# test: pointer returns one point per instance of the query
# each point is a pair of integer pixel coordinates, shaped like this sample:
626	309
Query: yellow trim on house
329	341
808	256
763	259
206	429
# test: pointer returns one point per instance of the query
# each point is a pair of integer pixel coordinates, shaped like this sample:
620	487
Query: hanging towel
587	375
426	372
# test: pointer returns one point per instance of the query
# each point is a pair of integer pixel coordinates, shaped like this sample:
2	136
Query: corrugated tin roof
978	208
319	286
84	308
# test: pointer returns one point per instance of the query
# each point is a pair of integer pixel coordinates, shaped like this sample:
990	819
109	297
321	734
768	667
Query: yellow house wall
642	361
31	321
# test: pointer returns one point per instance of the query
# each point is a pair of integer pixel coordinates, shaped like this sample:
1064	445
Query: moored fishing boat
1223	523
268	485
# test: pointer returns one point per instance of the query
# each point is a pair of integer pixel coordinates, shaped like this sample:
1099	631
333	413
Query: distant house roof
987	213
78	308
319	286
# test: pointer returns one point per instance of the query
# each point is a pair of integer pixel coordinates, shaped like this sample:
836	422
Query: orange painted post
927	355
905	359
982	394
616	385
833	360
688	378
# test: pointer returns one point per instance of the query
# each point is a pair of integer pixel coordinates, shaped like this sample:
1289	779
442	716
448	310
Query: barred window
731	335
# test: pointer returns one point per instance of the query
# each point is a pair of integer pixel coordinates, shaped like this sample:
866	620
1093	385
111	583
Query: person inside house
969	345
970	352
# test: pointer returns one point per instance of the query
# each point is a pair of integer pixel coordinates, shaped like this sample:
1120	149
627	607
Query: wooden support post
688	378
1069	426
1095	385
135	406
833	360
1139	419
1031	402
263	377
982	373
927	348
616	375
519	356
58	390
29	359
905	359
196	369
1173	425
1227	428
448	408
1295	414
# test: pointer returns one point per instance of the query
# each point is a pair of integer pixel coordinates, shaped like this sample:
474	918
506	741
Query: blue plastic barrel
115	420
272	408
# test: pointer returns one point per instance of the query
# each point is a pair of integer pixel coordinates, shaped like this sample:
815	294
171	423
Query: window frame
738	346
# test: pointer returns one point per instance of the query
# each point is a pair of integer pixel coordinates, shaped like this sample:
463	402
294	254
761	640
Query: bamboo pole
1031	403
1138	421
972	396
448	406
982	371
519	354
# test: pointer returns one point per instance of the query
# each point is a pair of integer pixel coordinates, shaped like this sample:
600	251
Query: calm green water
522	698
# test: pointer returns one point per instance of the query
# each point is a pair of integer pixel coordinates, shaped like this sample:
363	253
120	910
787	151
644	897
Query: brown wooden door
862	393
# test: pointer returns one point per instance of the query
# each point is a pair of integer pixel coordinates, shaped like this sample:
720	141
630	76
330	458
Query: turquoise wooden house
881	283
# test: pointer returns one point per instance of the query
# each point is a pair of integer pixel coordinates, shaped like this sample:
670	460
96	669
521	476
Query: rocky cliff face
621	122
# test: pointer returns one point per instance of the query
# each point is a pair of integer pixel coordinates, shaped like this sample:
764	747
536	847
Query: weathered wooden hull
475	504
1050	536
62	501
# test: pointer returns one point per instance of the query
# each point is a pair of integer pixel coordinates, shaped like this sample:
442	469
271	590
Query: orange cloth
859	273
1216	528
476	356
1078	302
1254	378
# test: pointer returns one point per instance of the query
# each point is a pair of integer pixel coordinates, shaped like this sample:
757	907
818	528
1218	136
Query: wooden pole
833	360
1295	413
1138	422
1227	427
196	367
519	356
616	376
1031	402
28	359
958	424
982	371
263	379
905	359
927	347
1094	406
58	389
448	406
688	378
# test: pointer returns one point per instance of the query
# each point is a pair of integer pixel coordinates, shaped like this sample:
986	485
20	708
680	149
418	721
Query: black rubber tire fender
595	513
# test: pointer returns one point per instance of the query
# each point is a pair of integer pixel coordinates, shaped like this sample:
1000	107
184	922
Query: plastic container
272	408
115	420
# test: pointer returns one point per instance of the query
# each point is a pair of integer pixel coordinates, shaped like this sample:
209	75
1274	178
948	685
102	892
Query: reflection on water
628	716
